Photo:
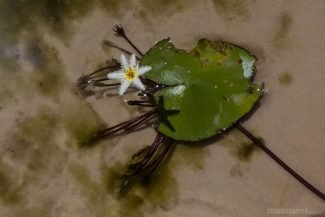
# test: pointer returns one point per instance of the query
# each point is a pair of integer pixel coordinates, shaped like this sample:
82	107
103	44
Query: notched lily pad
210	86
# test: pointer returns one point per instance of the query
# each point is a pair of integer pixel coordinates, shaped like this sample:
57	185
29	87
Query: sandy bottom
46	48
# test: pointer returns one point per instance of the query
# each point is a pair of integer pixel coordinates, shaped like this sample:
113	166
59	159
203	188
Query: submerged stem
111	44
144	103
149	159
126	125
257	142
118	29
95	78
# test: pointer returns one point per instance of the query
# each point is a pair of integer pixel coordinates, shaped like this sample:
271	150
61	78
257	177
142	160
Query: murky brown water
45	46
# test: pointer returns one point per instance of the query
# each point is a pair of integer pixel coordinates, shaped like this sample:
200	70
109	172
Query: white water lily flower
129	74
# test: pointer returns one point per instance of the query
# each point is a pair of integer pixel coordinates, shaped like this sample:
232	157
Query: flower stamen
130	74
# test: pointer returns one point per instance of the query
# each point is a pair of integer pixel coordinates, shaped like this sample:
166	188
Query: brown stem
87	80
168	144
257	142
111	44
99	84
126	125
102	69
118	29
144	103
151	157
139	166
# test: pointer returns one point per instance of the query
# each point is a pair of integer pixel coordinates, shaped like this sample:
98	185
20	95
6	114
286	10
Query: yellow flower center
130	74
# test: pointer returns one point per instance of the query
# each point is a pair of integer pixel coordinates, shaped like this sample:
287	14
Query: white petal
116	76
116	71
123	87
124	62
132	60
144	69
137	82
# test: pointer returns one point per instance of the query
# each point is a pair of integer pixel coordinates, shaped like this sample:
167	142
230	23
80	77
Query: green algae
115	8
11	28
161	188
130	204
232	9
54	14
91	188
80	122
144	17
236	171
37	163
151	10
245	150
163	7
158	191
9	56
57	14
40	127
27	18
10	192
280	39
92	191
239	146
33	140
5	95
48	77
32	212
285	78
192	155
110	176
10	81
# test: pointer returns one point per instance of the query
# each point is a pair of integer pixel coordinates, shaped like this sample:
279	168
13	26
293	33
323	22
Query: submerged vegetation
232	9
285	78
10	193
280	39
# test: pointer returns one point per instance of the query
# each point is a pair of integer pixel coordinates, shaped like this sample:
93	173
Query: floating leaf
210	86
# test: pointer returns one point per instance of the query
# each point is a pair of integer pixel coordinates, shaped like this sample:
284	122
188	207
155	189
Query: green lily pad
210	86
